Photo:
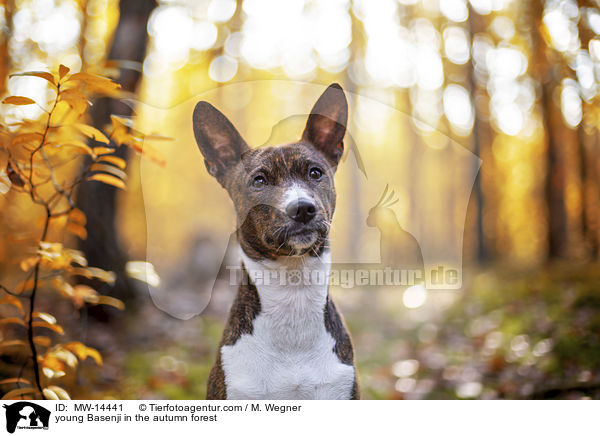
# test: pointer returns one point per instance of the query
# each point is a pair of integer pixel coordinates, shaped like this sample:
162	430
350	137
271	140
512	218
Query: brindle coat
264	230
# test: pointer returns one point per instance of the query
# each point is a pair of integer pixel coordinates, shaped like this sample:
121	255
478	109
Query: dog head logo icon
26	415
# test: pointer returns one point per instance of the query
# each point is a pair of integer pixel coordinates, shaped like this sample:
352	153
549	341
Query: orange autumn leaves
67	131
45	160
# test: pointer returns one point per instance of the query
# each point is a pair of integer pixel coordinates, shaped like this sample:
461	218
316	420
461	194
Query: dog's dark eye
315	173
259	181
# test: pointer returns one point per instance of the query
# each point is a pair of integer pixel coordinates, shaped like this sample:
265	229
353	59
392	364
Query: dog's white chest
256	370
289	354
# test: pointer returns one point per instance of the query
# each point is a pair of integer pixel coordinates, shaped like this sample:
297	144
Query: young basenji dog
284	338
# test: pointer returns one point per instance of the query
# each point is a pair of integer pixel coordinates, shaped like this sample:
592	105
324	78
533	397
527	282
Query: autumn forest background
482	116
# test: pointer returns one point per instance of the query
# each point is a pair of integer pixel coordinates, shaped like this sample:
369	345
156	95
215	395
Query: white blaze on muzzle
294	194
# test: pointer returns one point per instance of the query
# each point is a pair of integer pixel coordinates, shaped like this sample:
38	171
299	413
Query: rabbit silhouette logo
26	415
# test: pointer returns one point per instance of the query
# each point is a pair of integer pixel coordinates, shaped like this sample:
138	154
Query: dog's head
284	195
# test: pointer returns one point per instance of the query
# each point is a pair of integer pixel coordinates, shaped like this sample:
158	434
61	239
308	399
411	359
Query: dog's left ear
326	124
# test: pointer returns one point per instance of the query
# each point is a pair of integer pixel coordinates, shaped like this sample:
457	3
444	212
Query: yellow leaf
5	182
28	263
75	99
108	179
50	395
114	160
51	247
44	341
60	392
84	294
152	153
95	273
82	351
77	257
103	150
97	83
16	393
85	290
110	301
122	136
119	120
12	320
77	229
63	287
54	256
65	356
54	327
158	138
18	100
4	140
92	132
50	374
14	380
109	169
94	354
77	348
51	362
13	343
43	74
72	94
24	285
45	316
80	145
26	137
143	271
63	71
13	301
122	64
77	216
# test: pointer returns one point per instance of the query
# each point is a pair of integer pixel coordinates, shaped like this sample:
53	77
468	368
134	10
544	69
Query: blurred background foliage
514	82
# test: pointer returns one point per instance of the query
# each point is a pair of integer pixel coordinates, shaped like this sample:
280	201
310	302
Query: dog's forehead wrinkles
283	160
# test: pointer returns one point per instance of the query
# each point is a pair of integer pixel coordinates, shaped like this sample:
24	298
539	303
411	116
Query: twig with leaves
33	151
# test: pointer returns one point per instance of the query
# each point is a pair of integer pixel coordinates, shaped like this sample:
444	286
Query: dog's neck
292	305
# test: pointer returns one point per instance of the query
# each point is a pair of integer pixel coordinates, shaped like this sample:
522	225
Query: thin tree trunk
5	63
588	182
355	224
587	213
483	251
555	162
555	179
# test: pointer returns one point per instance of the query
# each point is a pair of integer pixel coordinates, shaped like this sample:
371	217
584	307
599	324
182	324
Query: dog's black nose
302	211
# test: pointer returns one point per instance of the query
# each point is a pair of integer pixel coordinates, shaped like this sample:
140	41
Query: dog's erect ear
220	143
326	124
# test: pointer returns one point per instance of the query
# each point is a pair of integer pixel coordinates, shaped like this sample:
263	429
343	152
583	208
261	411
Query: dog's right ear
220	143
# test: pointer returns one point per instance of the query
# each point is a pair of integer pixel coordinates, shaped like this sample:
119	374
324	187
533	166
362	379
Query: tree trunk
587	160
484	225
98	200
5	63
545	70
555	178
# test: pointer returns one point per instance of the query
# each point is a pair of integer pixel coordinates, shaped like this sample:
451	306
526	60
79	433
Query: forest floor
507	335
